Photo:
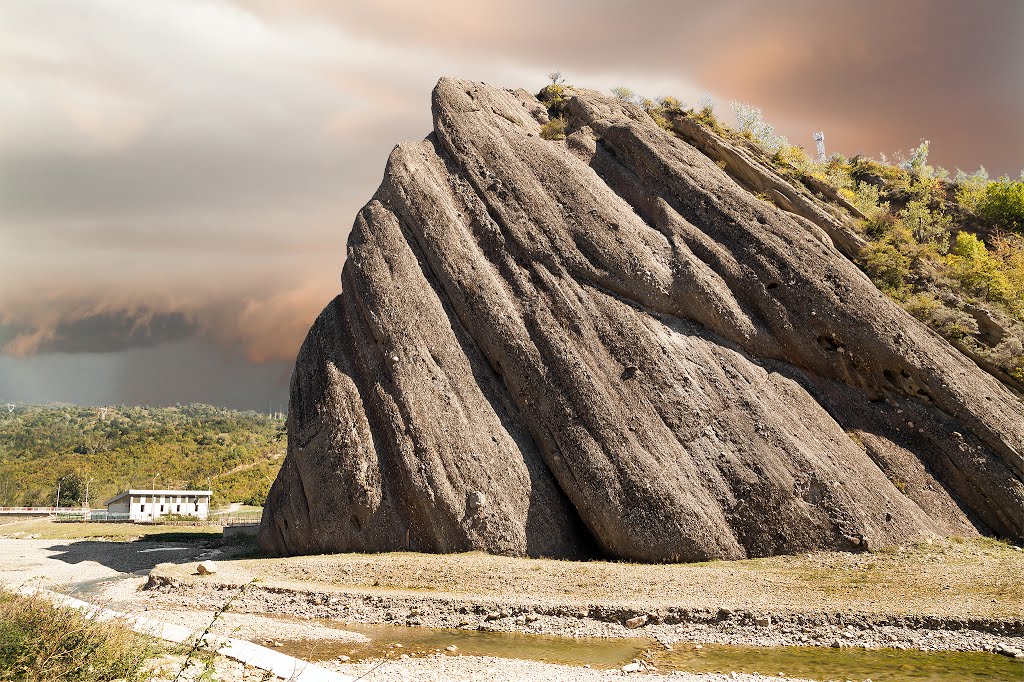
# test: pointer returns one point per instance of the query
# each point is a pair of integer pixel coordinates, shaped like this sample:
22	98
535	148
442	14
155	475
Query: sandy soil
968	579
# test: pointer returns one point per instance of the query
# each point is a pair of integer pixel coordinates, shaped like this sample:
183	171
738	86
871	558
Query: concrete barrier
240	530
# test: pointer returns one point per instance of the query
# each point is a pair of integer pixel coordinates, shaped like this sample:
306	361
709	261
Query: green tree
1003	204
977	270
72	488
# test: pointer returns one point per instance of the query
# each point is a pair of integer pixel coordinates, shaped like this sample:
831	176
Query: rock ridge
608	346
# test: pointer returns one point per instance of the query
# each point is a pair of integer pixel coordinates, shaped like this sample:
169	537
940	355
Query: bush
1003	204
887	265
670	103
791	156
950	323
970	189
623	93
553	129
552	93
750	121
917	164
41	641
978	271
926	226
867	200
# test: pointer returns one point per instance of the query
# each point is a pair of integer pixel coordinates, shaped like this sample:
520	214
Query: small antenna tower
819	140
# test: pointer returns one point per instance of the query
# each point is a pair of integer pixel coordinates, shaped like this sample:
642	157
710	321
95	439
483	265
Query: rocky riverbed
948	596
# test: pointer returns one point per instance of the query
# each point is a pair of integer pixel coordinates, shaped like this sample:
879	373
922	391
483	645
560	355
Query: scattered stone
633	667
638	621
1010	651
451	647
762	621
476	500
493	615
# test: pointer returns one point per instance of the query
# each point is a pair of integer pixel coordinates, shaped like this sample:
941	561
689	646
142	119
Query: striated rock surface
607	347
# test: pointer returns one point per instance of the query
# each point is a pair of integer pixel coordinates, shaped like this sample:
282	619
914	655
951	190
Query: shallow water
822	663
597	652
817	663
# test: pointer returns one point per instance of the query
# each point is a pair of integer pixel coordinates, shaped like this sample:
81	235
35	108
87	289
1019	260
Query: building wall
152	507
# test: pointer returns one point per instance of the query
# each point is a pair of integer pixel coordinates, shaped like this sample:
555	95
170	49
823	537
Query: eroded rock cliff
607	346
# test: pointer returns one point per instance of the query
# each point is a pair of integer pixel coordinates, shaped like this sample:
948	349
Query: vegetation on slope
104	450
950	250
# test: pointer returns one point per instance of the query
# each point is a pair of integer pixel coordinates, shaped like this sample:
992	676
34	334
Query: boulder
606	346
206	568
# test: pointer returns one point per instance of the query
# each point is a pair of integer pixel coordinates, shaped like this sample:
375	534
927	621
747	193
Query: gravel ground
950	595
489	669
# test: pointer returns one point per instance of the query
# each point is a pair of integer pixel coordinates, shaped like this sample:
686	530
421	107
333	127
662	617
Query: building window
142	508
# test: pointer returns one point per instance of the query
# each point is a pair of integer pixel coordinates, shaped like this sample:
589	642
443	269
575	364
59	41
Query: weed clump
553	129
41	641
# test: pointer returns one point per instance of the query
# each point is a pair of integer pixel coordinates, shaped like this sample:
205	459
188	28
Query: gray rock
517	281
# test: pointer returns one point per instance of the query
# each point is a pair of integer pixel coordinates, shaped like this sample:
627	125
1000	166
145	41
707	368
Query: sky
178	177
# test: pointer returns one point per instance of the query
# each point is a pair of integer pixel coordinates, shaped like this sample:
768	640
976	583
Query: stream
816	663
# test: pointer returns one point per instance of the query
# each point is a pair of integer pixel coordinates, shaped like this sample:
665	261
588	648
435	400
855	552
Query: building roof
133	491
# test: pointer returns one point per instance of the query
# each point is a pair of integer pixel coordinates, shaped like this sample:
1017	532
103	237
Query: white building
149	505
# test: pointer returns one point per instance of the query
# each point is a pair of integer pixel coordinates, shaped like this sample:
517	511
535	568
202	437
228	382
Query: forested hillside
98	451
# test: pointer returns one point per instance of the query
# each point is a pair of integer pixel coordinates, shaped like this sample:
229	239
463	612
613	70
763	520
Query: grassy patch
40	641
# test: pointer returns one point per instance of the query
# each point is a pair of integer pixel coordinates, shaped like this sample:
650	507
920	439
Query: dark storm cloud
114	331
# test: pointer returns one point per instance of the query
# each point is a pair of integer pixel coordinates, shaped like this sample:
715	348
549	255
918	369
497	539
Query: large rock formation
606	346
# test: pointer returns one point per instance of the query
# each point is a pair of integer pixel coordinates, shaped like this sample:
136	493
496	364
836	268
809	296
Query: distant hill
237	454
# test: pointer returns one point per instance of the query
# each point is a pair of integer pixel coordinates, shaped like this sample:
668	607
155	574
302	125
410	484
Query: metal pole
58	494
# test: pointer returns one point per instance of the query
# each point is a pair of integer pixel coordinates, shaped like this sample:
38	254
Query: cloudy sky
178	177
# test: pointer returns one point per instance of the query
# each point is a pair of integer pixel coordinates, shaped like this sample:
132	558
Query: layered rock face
606	346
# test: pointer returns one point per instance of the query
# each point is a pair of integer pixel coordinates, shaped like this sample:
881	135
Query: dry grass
45	529
40	641
955	577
